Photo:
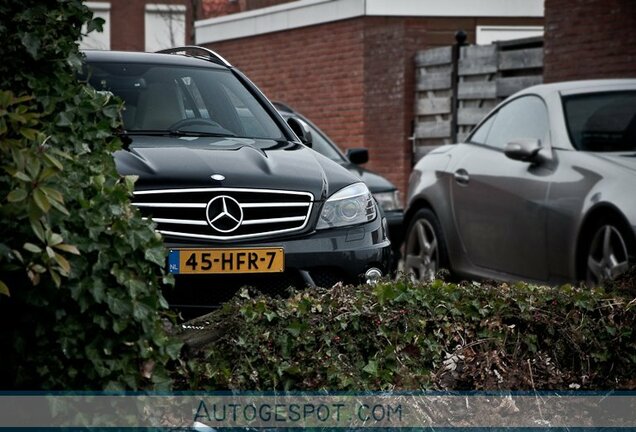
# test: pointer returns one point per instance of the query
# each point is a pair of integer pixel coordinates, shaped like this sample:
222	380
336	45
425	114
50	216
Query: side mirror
525	150
358	156
301	130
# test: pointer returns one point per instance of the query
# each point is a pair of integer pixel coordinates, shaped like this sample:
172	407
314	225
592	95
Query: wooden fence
487	74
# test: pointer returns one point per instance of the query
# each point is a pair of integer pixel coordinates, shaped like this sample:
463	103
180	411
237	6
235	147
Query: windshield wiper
185	133
175	133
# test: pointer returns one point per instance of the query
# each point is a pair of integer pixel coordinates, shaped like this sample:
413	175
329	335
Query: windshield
188	100
602	122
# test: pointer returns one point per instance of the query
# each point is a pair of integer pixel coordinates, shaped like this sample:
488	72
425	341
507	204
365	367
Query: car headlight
349	206
388	200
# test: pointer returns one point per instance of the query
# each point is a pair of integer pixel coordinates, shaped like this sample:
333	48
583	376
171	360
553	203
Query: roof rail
203	52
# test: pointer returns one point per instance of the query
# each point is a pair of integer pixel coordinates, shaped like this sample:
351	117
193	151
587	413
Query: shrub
83	270
399	336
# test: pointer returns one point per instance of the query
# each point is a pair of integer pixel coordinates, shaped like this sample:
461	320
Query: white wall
96	40
489	34
165	26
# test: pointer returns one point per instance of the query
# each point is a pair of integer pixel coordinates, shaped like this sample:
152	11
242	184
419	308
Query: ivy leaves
83	270
33	169
403	336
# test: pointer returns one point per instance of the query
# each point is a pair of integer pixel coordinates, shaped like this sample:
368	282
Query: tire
425	250
609	252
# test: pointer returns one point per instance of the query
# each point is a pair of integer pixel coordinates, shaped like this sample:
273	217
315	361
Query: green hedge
397	335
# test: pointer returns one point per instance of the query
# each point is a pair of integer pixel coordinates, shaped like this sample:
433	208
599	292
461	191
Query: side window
525	117
604	122
480	136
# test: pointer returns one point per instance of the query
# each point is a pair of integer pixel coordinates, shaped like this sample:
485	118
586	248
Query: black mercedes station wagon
237	197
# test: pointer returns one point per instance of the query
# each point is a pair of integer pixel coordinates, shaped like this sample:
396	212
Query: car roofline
159	58
580	86
207	54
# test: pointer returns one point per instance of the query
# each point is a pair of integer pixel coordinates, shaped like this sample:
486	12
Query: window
489	34
254	121
97	40
525	117
602	122
202	100
480	136
164	26
192	97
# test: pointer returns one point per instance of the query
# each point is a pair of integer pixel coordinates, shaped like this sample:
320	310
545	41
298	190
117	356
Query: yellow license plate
215	261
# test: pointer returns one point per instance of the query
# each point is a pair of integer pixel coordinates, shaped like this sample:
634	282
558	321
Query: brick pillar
587	39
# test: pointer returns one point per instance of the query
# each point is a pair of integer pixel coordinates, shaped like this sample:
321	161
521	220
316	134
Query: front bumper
320	258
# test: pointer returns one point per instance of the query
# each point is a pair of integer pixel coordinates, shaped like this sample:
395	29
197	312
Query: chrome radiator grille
225	213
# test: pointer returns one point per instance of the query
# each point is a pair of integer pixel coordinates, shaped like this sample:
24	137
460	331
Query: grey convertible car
543	189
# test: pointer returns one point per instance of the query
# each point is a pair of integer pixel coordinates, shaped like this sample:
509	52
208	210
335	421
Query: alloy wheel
422	254
608	256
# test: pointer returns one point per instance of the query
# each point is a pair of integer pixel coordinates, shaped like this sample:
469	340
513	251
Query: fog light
372	275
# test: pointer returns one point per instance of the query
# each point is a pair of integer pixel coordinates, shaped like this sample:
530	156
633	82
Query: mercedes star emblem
224	213
217	177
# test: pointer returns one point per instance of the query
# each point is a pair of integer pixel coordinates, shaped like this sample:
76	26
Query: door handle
461	177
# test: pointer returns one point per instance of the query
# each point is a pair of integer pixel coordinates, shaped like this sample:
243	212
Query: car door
499	203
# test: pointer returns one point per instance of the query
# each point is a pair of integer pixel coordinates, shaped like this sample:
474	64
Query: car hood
186	162
375	183
625	160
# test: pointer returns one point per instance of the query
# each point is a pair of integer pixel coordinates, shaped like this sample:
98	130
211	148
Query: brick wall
215	8
353	78
318	71
127	22
388	95
589	39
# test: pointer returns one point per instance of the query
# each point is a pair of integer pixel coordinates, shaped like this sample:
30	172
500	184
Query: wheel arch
594	216
417	204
